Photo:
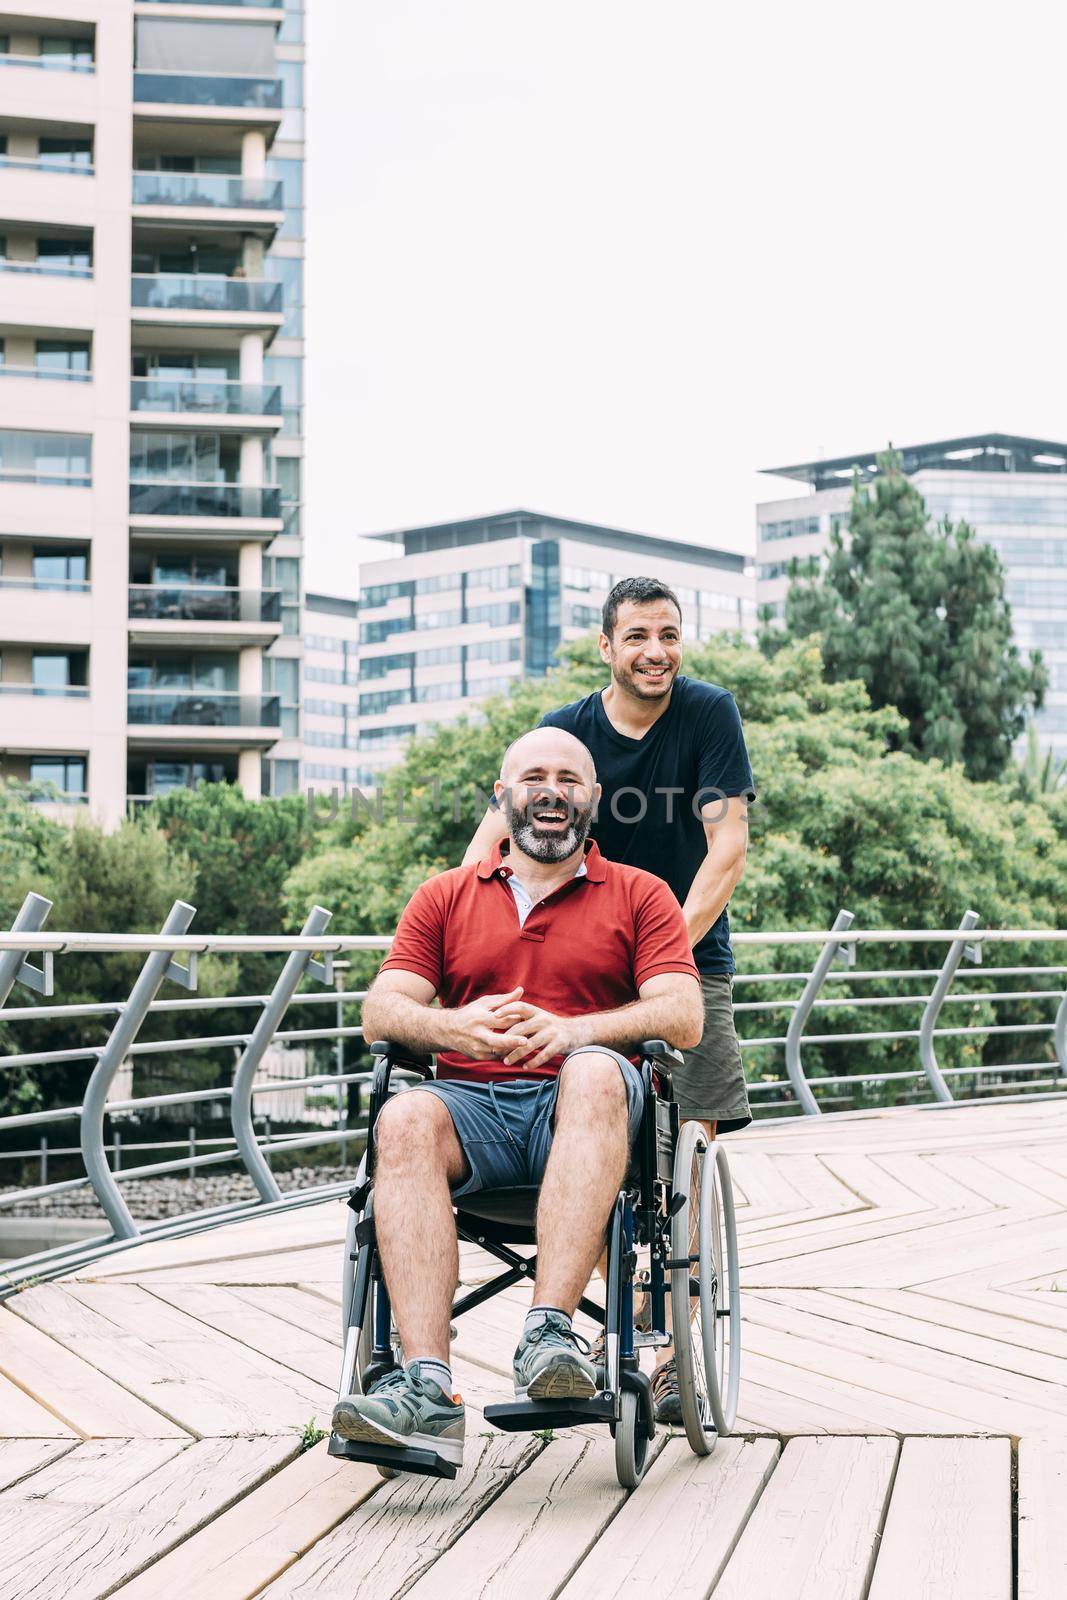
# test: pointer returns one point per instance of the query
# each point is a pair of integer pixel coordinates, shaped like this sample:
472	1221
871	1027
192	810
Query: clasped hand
504	1027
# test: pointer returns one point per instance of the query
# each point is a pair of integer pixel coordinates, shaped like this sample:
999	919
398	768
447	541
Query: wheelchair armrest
398	1055
662	1053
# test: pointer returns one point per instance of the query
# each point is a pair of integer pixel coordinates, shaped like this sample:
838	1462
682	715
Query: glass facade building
1013	492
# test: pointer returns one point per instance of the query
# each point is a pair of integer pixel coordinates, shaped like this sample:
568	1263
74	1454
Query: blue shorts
505	1129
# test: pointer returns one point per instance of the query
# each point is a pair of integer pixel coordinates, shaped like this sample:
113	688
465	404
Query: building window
380	594
381	699
45	458
66	772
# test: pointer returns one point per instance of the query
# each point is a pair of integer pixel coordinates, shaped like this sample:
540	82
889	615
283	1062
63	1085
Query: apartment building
1013	492
330	712
458	611
151	244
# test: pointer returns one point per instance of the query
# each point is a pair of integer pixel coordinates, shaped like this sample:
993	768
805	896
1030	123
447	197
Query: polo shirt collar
595	865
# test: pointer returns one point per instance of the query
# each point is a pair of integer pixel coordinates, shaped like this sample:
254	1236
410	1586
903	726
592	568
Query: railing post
14	964
156	968
190	1171
956	952
44	1162
827	956
1059	1035
270	1019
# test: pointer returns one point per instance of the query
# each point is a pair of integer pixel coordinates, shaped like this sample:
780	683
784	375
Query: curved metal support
1060	1035
956	952
15	964
270	1019
156	968
830	952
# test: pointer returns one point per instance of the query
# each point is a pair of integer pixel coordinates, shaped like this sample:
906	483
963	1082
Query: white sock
437	1371
538	1314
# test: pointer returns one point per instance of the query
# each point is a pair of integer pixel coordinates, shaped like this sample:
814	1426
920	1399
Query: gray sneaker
549	1364
405	1411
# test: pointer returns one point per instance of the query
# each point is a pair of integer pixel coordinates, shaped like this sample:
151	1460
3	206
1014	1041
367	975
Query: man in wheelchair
550	965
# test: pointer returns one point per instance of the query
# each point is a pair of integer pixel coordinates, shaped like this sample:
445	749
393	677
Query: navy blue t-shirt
696	747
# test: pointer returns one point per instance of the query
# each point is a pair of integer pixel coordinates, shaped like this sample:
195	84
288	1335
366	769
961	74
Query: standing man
670	755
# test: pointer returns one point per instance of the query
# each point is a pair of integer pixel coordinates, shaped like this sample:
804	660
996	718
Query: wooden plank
265	1237
531	1539
20	1457
47	1505
203	1381
676	1532
87	1401
254	1327
814	1533
395	1536
23	1417
151	1517
948	1532
263	1534
1042	1525
981	1396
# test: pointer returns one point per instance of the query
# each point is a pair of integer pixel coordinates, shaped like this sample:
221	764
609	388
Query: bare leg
418	1157
585	1170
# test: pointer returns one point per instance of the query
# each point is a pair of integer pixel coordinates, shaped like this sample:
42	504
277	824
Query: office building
1013	492
460	610
151	246
330	712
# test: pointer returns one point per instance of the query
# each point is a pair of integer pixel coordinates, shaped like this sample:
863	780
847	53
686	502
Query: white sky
606	259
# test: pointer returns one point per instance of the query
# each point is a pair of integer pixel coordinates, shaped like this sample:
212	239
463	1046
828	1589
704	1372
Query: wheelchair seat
503	1215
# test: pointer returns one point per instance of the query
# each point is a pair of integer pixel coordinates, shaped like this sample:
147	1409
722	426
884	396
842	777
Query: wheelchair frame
653	1210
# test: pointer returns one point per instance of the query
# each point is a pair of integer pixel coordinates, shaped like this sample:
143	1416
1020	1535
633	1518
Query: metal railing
81	169
306	978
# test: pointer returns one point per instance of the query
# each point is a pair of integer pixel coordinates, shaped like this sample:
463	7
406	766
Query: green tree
918	614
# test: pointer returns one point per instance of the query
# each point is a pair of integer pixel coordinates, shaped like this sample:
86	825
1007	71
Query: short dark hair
642	591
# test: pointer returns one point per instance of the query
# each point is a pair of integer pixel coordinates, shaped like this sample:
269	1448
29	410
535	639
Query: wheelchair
676	1204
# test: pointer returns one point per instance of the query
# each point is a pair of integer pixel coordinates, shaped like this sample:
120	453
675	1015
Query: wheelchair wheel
631	1442
689	1246
720	1290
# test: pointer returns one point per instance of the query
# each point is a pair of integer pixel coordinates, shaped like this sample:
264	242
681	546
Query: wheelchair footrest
426	1462
529	1416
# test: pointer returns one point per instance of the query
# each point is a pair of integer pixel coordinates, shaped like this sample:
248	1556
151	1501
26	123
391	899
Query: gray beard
547	847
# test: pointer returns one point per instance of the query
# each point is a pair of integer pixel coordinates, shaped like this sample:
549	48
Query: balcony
46	63
63	168
166	291
47	691
206	189
203	615
52	374
191	708
207	89
47	269
204	500
206	397
51	585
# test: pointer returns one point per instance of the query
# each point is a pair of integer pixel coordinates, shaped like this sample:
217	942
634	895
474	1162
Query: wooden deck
904	1395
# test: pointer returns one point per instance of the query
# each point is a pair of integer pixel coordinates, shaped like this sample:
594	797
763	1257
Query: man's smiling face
645	648
549	790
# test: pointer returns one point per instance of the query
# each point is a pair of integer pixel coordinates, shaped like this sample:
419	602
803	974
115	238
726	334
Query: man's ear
604	646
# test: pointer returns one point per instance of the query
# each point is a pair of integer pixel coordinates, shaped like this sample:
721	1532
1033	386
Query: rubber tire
719	1228
696	1408
631	1441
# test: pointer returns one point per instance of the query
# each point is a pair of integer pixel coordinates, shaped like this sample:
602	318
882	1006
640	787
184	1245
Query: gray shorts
711	1084
505	1129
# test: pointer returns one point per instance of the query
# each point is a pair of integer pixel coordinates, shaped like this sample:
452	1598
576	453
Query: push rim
686	1310
720	1290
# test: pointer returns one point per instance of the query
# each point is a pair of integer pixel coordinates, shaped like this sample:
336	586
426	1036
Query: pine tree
919	614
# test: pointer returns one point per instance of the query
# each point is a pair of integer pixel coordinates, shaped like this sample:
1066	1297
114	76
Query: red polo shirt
587	947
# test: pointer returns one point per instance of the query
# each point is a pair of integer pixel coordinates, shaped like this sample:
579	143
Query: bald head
547	750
